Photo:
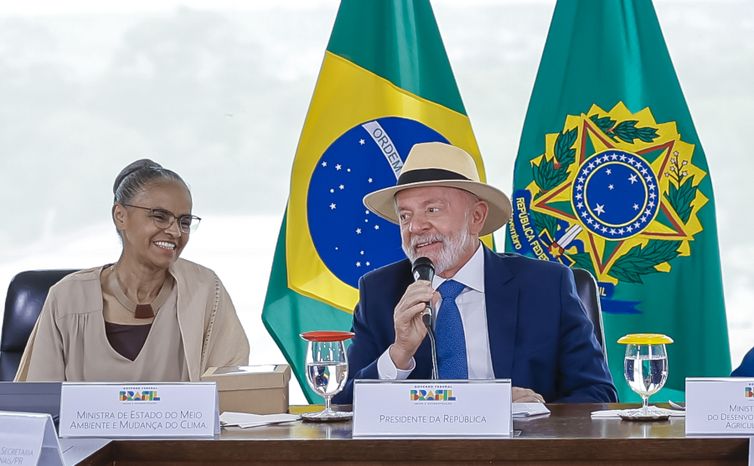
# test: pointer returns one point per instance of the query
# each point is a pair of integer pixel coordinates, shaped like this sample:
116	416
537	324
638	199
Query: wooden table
567	436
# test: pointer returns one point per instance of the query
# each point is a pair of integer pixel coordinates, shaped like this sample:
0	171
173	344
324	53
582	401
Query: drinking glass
326	370
645	366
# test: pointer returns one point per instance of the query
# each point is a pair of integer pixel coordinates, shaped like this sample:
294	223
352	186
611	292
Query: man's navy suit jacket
746	369
539	333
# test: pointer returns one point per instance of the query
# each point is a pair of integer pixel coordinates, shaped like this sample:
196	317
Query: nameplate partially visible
28	439
720	406
432	408
139	410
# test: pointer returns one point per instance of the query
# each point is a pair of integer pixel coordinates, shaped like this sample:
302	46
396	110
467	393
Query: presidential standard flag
385	85
611	177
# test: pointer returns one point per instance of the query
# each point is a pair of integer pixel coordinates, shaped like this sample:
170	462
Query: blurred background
218	91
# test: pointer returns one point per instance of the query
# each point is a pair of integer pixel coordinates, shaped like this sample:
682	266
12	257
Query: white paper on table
519	410
616	413
245	420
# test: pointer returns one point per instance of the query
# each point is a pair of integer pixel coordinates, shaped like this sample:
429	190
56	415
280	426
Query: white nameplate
139	410
432	408
28	439
720	406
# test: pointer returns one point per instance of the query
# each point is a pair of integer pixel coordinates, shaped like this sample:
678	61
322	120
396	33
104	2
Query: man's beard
453	248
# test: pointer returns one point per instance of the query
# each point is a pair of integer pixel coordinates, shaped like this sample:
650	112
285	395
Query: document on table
616	413
520	410
246	420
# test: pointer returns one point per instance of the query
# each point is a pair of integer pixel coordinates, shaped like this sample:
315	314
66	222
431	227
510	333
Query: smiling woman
148	317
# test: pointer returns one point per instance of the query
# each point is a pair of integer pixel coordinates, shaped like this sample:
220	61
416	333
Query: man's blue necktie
451	343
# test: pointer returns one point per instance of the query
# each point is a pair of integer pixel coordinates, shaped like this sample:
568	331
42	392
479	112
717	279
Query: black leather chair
586	287
26	295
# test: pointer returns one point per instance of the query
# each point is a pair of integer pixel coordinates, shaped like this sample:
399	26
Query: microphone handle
433	347
427	319
427	316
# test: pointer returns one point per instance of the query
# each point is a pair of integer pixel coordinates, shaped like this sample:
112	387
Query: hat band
428	174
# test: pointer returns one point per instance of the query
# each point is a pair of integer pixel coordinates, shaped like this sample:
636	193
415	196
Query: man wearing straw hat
498	315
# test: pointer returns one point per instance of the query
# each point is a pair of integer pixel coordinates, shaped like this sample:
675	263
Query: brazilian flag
611	177
385	85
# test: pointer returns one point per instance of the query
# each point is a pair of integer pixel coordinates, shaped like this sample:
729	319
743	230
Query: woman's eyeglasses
164	219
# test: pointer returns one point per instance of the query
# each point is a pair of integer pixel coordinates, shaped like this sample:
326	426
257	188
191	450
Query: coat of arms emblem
615	193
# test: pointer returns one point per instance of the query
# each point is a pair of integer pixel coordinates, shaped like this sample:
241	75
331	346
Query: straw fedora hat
439	164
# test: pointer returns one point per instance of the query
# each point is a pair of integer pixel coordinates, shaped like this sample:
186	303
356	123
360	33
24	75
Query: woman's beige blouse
196	328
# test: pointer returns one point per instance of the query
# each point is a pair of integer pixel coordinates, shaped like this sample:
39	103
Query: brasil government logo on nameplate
432	408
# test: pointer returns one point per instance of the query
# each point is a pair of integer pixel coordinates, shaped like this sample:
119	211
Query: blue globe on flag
349	238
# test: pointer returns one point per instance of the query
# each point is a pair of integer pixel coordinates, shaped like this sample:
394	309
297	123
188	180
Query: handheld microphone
424	269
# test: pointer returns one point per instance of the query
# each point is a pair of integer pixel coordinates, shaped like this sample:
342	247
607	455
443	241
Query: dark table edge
600	449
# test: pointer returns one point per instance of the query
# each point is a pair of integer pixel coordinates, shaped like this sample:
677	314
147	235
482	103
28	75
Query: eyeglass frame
173	218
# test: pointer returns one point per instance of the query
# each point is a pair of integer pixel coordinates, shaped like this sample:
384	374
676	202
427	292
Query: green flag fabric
385	85
611	177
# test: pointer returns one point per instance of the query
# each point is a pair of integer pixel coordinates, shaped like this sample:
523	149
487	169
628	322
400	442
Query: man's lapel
501	300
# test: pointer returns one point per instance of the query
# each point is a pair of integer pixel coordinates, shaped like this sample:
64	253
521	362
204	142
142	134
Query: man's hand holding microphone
413	314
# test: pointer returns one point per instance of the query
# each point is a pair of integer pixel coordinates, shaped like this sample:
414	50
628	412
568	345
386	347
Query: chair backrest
586	287
26	295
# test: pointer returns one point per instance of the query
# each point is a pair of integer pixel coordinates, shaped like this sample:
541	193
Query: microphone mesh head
422	262
423	269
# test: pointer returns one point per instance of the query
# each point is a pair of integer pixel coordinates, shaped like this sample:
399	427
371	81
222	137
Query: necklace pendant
143	311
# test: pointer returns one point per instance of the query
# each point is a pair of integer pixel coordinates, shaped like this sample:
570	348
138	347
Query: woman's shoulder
78	292
79	278
196	283
185	269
